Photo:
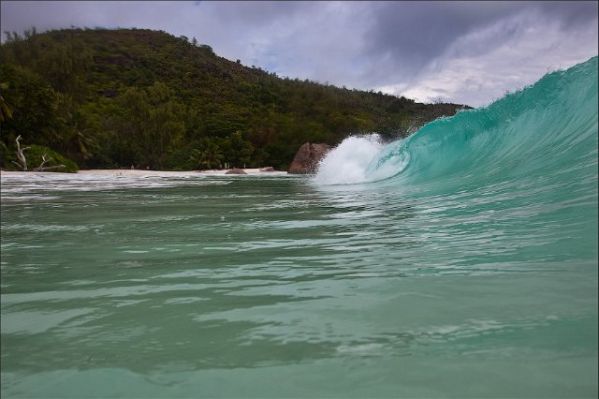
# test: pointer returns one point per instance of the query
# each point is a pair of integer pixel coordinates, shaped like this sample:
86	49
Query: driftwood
44	160
20	154
22	160
41	168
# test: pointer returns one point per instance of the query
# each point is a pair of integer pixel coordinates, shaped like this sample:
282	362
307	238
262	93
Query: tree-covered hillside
116	98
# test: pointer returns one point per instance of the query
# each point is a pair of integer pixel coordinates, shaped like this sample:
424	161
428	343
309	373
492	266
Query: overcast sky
463	52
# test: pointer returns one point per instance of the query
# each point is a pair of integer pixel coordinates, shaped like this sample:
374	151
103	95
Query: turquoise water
460	262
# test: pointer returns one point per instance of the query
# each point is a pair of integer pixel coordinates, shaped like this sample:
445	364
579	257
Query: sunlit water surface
257	286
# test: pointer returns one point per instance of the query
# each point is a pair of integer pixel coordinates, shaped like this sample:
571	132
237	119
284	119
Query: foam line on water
357	160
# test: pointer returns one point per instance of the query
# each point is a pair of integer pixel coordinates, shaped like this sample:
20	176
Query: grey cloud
571	14
413	34
254	13
366	45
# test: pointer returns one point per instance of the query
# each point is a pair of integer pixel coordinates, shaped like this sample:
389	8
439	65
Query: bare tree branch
20	154
45	160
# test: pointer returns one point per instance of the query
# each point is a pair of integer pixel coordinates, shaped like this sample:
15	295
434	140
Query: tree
33	107
236	150
5	111
208	155
150	124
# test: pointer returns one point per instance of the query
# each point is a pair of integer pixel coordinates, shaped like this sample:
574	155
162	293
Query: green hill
116	98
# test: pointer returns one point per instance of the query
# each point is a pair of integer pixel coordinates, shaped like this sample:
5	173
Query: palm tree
208	155
5	111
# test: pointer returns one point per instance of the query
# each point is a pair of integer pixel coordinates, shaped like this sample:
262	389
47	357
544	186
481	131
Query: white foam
348	162
361	159
16	185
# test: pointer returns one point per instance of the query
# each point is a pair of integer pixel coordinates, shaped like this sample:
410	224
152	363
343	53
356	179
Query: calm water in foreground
255	286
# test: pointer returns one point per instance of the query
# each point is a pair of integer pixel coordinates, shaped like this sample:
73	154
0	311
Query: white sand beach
154	173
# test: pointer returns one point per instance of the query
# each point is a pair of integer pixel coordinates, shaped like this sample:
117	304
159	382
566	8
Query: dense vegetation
116	98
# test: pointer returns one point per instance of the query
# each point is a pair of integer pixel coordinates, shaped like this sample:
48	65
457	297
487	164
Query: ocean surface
460	262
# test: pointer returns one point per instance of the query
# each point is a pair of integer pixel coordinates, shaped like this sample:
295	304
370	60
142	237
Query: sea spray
360	159
348	162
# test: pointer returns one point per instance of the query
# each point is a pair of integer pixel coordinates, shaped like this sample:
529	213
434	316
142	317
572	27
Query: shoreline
160	173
